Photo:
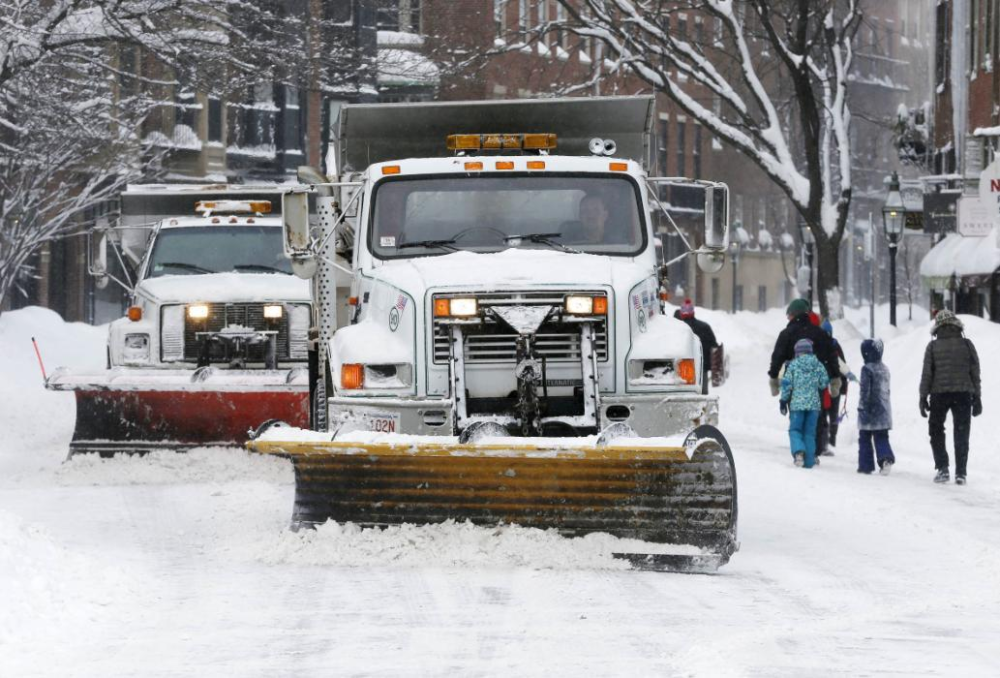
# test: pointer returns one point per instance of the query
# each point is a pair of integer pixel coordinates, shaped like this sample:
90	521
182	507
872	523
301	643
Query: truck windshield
583	213
218	249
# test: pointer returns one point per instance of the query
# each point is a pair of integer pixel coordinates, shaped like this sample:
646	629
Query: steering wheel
473	229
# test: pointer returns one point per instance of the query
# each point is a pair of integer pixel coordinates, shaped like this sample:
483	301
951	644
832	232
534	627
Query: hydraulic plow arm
683	495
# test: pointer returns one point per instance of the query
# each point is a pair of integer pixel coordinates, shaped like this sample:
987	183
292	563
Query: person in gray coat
950	383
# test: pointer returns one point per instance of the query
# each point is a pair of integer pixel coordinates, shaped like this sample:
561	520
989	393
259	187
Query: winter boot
800	459
960	480
886	468
942	476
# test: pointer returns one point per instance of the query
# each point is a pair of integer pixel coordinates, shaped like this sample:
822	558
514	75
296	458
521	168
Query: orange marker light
442	308
536	164
600	305
352	375
539	141
135	313
473	167
619	167
390	169
685	369
352	301
504	165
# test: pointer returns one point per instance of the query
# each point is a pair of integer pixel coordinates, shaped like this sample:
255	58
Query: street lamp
892	221
808	239
735	247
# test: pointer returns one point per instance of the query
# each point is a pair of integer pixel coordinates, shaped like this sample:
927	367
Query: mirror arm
333	263
121	262
679	258
338	222
656	199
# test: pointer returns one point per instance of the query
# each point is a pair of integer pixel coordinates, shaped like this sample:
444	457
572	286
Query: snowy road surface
181	564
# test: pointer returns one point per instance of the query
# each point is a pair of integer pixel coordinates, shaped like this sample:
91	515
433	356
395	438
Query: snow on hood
226	287
513	269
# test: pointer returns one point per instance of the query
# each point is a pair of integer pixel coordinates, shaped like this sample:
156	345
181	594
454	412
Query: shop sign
975	218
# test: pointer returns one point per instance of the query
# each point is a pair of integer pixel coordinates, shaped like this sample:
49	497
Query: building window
762	297
699	32
738	300
500	17
970	32
941	44
523	18
681	133
661	145
696	151
682	26
215	120
715	294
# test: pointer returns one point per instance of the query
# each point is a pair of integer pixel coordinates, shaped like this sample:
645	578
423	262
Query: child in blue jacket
874	411
803	381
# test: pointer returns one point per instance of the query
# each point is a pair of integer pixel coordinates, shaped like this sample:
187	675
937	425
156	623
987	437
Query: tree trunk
827	258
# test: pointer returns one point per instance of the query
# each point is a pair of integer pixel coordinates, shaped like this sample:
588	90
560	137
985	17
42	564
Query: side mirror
97	256
297	238
717	217
711	262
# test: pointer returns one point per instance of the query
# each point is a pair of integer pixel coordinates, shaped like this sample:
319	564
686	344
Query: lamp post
892	221
808	239
735	247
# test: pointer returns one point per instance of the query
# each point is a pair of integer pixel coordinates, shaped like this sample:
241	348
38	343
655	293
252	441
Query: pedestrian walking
804	378
829	418
874	411
704	333
950	383
800	327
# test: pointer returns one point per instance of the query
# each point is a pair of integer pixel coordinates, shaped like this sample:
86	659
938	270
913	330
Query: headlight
136	348
198	311
274	311
662	372
586	305
459	307
356	376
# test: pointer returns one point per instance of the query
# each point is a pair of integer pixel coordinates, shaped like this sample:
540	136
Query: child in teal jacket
801	394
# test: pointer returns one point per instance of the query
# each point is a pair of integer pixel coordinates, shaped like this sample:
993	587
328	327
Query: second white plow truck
507	357
215	339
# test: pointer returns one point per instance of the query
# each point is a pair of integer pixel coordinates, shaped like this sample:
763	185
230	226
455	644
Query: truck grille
180	341
494	342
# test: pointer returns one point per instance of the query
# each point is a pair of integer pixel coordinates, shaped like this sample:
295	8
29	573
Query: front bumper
648	414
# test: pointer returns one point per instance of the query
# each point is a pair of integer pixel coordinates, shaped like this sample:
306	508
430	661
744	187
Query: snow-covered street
182	564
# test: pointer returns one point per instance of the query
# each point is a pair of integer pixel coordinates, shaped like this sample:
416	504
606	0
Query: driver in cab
591	228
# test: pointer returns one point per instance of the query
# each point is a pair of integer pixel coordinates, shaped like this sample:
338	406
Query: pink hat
687	309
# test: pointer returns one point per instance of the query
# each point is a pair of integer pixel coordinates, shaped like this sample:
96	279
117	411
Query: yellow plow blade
669	495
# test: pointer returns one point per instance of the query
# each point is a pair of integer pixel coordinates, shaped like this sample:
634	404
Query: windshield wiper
443	244
258	267
542	238
184	265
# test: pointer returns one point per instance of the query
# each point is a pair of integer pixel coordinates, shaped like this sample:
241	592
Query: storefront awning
962	257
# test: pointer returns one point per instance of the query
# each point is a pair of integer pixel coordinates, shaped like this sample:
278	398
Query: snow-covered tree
769	78
83	82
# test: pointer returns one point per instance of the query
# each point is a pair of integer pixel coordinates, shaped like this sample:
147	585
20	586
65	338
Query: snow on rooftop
405	67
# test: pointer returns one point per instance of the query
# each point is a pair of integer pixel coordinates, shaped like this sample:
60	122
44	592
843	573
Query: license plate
382	422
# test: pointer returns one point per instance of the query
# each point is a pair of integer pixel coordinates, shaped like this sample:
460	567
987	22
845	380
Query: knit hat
814	319
798	307
687	309
803	346
945	318
827	327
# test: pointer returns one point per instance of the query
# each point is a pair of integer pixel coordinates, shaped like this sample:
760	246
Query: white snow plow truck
216	337
506	358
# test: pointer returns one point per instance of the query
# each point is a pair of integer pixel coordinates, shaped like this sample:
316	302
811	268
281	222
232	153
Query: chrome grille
292	330
493	341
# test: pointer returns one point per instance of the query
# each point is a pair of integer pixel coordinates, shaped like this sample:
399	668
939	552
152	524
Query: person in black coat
702	330
800	327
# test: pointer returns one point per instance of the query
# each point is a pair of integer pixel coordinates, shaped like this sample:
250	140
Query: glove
775	387
977	406
852	377
783	406
924	406
835	387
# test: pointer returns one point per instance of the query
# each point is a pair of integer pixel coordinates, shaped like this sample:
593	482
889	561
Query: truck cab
503	283
211	286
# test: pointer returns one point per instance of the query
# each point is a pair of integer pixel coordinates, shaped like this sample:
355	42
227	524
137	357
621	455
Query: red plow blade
140	410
